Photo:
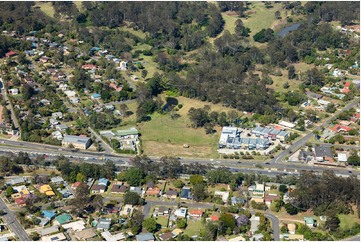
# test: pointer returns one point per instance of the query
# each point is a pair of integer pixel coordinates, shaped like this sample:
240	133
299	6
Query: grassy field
347	220
137	33
163	221
131	119
46	7
165	136
193	227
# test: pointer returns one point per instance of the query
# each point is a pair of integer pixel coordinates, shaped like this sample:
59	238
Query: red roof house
20	201
89	67
75	185
11	53
153	191
341	128
196	213
214	218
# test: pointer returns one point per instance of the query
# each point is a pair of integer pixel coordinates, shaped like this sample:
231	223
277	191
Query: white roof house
70	93
76	226
224	195
181	212
54	237
255	221
342	157
323	102
113	237
286	124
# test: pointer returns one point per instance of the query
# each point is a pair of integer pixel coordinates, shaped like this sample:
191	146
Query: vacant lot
164	136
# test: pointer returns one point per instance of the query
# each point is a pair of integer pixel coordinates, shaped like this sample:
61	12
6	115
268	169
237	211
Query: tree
80	177
135	223
81	196
354	160
9	191
199	193
220	175
330	108
181	223
178	184
278	14
123	108
332	223
134	176
291	72
283	188
227	221
196	179
132	198
291	210
286	85
150	225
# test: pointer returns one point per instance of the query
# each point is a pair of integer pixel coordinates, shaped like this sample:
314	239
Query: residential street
304	140
13	223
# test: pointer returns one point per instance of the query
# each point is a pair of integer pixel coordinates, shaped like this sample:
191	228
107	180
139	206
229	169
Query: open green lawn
193	227
347	220
137	33
230	21
46	7
164	136
162	220
150	65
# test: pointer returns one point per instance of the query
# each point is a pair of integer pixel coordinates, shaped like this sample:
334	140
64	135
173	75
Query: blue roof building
185	193
95	96
48	214
103	181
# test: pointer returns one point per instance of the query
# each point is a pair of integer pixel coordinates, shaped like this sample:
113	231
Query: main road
301	142
13	223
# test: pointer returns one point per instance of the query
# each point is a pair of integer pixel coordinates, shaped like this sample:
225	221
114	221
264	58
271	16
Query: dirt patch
250	12
152	148
231	13
1	114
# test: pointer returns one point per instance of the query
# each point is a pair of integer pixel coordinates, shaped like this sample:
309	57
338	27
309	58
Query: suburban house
237	200
180	213
136	190
64	218
257	193
77	142
78	225
270	198
270	133
145	237
310	222
185	193
103	224
10	54
195	214
54	237
171	194
313	95
255	221
223	194
305	155
340	128
153	191
95	96
127	210
323	153
15	181
103	181
119	188
47	190
85	234
163	211
342	157
98	189
57	180
48	214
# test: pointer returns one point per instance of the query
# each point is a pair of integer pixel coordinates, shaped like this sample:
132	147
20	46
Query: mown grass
46	7
347	220
193	227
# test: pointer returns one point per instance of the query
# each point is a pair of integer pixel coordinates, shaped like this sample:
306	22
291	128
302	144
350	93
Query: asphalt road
13	223
298	144
275	226
354	238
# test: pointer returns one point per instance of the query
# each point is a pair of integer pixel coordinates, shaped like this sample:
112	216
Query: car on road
267	163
